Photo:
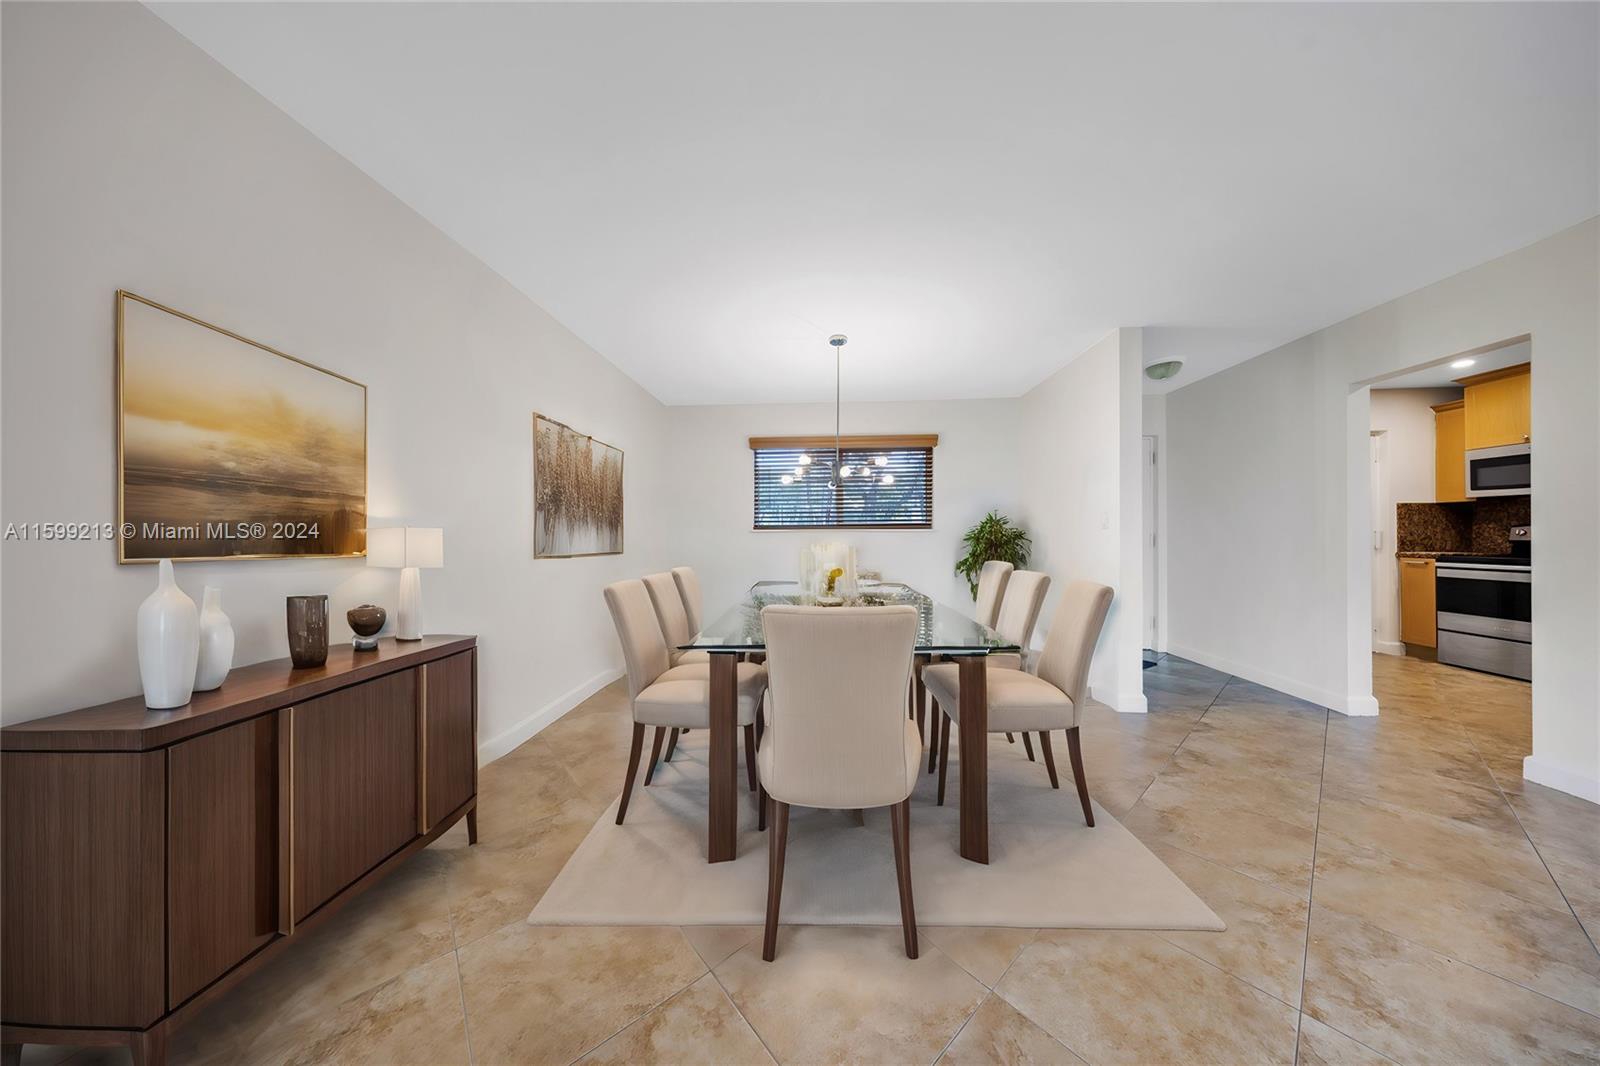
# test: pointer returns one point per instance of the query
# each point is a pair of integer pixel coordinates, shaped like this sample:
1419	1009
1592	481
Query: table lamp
409	548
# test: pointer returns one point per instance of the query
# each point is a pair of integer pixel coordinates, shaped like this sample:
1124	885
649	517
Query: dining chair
991	589
667	696
677	626
689	591
1051	699
836	734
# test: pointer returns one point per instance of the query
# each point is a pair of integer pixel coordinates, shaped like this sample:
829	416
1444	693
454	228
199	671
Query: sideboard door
354	784
449	720
222	860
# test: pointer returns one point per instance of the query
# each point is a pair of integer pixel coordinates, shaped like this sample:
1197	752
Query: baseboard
1121	702
1388	647
1560	778
1361	707
508	740
1335	701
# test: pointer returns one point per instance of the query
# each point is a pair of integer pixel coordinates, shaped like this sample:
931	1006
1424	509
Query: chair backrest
991	587
669	610
1069	645
643	647
689	591
1019	607
836	723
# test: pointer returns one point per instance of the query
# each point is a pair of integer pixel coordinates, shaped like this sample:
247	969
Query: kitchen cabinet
1418	619
1450	452
1497	407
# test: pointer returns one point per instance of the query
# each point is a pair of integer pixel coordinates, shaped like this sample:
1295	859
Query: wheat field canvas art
577	493
229	449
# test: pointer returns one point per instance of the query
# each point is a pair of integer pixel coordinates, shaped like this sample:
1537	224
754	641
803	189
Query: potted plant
992	538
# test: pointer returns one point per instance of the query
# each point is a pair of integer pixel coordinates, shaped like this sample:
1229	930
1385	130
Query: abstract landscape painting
229	449
577	493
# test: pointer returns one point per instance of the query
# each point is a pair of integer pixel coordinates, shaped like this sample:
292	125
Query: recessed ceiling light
1462	364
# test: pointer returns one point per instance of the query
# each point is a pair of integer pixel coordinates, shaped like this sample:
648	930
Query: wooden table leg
722	815
921	696
974	681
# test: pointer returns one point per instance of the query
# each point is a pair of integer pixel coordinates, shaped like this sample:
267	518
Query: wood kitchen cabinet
1419	623
1450	452
1498	408
152	858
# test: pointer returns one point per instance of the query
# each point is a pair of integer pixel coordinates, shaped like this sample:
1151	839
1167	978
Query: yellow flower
833	575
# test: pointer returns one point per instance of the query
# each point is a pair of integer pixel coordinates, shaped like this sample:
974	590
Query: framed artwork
577	493
228	449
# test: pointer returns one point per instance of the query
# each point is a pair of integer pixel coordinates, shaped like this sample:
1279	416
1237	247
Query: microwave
1503	471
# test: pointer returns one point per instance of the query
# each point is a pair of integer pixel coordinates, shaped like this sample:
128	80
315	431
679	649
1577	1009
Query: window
890	487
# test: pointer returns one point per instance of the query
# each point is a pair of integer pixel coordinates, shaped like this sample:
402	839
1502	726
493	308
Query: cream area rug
1046	868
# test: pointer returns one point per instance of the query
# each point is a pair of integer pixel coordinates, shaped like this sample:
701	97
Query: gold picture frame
576	499
228	450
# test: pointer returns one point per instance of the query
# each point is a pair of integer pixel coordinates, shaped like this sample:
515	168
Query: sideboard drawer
450	728
354	784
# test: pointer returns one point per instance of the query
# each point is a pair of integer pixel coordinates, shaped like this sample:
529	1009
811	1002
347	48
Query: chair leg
633	771
900	826
1027	746
777	843
1011	738
762	799
1049	758
655	753
750	755
944	752
672	745
1075	749
933	737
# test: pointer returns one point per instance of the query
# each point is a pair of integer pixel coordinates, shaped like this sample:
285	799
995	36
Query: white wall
975	469
1268	514
1404	417
1080	466
132	160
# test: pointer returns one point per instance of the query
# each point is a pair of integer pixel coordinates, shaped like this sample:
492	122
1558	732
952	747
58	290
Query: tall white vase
169	643
216	643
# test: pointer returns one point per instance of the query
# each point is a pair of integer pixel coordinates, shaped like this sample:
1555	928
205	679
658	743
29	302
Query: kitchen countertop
1421	555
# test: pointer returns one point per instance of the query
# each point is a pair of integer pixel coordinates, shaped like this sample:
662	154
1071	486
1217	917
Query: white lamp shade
403	546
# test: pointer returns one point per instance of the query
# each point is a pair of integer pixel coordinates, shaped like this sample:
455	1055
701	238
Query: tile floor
1393	891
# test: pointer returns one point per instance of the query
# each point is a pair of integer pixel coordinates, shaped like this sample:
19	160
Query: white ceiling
973	192
1442	374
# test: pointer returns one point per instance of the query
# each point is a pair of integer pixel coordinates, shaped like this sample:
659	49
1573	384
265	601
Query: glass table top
940	629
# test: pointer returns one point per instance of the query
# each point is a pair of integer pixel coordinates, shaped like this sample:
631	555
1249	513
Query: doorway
1152	562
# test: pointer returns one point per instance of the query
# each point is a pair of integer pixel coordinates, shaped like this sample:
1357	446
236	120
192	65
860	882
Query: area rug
1046	868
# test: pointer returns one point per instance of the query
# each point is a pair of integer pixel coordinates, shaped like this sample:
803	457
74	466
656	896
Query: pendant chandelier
838	472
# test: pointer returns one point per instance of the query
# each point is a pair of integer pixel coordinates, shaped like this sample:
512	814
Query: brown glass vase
308	630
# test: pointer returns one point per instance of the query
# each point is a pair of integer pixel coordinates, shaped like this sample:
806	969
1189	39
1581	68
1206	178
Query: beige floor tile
1200	779
1413	1004
1133	997
717	942
1579	882
1407	786
1540	947
1250	841
982	952
547	994
998	1033
698	1025
849	994
414	1018
1265	941
1323	1046
490	888
1555	819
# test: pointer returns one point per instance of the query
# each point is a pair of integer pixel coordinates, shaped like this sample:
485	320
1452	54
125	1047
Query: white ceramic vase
169	643
216	643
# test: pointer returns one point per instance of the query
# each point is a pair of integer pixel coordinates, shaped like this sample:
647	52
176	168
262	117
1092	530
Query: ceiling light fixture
1163	371
838	471
1462	364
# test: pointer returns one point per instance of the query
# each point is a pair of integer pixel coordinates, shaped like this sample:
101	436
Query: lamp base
408	619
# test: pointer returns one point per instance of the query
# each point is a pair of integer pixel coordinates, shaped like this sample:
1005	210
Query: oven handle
1520	577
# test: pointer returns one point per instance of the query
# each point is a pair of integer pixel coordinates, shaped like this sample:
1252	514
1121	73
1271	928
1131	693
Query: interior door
1152	563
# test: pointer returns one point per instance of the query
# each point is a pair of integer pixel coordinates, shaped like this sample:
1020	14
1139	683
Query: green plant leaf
993	538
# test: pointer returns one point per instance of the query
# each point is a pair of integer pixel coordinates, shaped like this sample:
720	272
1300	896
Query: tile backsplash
1479	527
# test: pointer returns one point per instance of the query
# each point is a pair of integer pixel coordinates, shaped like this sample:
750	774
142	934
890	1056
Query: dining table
942	633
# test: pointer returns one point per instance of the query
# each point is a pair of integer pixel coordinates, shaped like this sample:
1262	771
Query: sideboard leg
472	826
149	1047
10	1055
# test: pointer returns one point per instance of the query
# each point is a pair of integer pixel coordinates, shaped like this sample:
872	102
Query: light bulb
805	460
1462	364
786	479
844	471
888	479
882	460
799	471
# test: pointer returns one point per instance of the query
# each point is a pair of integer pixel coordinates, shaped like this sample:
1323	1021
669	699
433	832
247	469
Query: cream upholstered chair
677	626
666	696
991	589
1019	613
836	731
1022	702
689	591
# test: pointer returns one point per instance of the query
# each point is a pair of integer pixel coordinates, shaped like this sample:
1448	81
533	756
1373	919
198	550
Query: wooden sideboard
152	858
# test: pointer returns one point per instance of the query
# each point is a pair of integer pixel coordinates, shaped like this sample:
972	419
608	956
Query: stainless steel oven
1485	605
1506	471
